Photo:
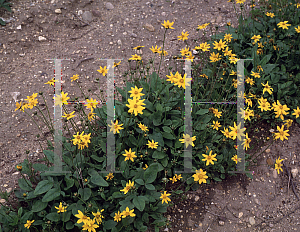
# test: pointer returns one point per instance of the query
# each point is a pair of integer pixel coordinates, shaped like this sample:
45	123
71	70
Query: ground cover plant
149	129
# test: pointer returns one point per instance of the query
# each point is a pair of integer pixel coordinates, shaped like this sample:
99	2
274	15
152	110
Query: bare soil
111	31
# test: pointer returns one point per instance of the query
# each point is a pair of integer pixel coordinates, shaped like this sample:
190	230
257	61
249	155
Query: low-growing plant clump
149	129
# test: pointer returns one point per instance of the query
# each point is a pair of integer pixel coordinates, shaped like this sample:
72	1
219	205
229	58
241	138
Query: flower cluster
136	104
31	101
88	223
81	140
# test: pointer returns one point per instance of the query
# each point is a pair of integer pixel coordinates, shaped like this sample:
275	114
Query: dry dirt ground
77	30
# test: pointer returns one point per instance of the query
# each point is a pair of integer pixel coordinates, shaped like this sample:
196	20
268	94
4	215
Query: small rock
251	221
219	19
271	225
270	162
2	201
5	185
78	123
119	42
166	229
80	12
163	14
132	34
111	43
268	150
221	223
8	190
140	52
42	38
19	27
275	174
149	27
58	11
257	201
109	6
197	198
87	16
240	214
294	172
96	13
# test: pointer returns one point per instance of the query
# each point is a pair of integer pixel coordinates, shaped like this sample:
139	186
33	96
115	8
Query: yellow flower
178	177
214	57
61	208
200	176
77	138
264	105
259	68
137	48
298	5
183	36
165	53
256	38
281	134
51	82
98	216
185	51
217	113
155	50
278	164
216	125
135	92
236	131
226	133
182	81
188	140
246	142
228	37
173	179
115	127
146	166
255	74
91	103
117	216
259	51
204	75
270	14
74	77
135	105
69	116
103	70
297	29
91	115
82	218
227	52
219	45
280	109
296	112
283	25
250	81
129	155
288	123
204	47
61	99
164	197
128	187
135	57
233	73
126	213
90	225
28	224
110	176
209	158
236	159
117	64
240	1
152	144
143	127
267	88
203	26
19	167
168	25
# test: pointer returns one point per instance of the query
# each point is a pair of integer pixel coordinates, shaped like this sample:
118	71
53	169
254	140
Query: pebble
42	38
221	223
19	27
109	6
96	13
80	12
8	190
219	19
257	201
149	27
166	229
2	201
294	172
275	174
240	214
251	221
197	198
119	42
87	16
5	185
58	11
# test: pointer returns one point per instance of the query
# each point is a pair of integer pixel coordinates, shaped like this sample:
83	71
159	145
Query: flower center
136	92
135	105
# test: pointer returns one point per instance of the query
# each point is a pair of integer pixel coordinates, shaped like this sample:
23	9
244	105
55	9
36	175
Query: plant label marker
110	167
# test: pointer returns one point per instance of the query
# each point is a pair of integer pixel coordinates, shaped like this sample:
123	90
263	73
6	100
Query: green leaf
139	203
140	181
150	174
69	182
69	225
43	186
51	195
167	123
25	184
53	217
265	60
202	111
217	179
109	224
164	161
158	155
40	167
97	158
150	186
133	140
168	135
97	179
39	206
50	155
159	107
157	137
85	193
